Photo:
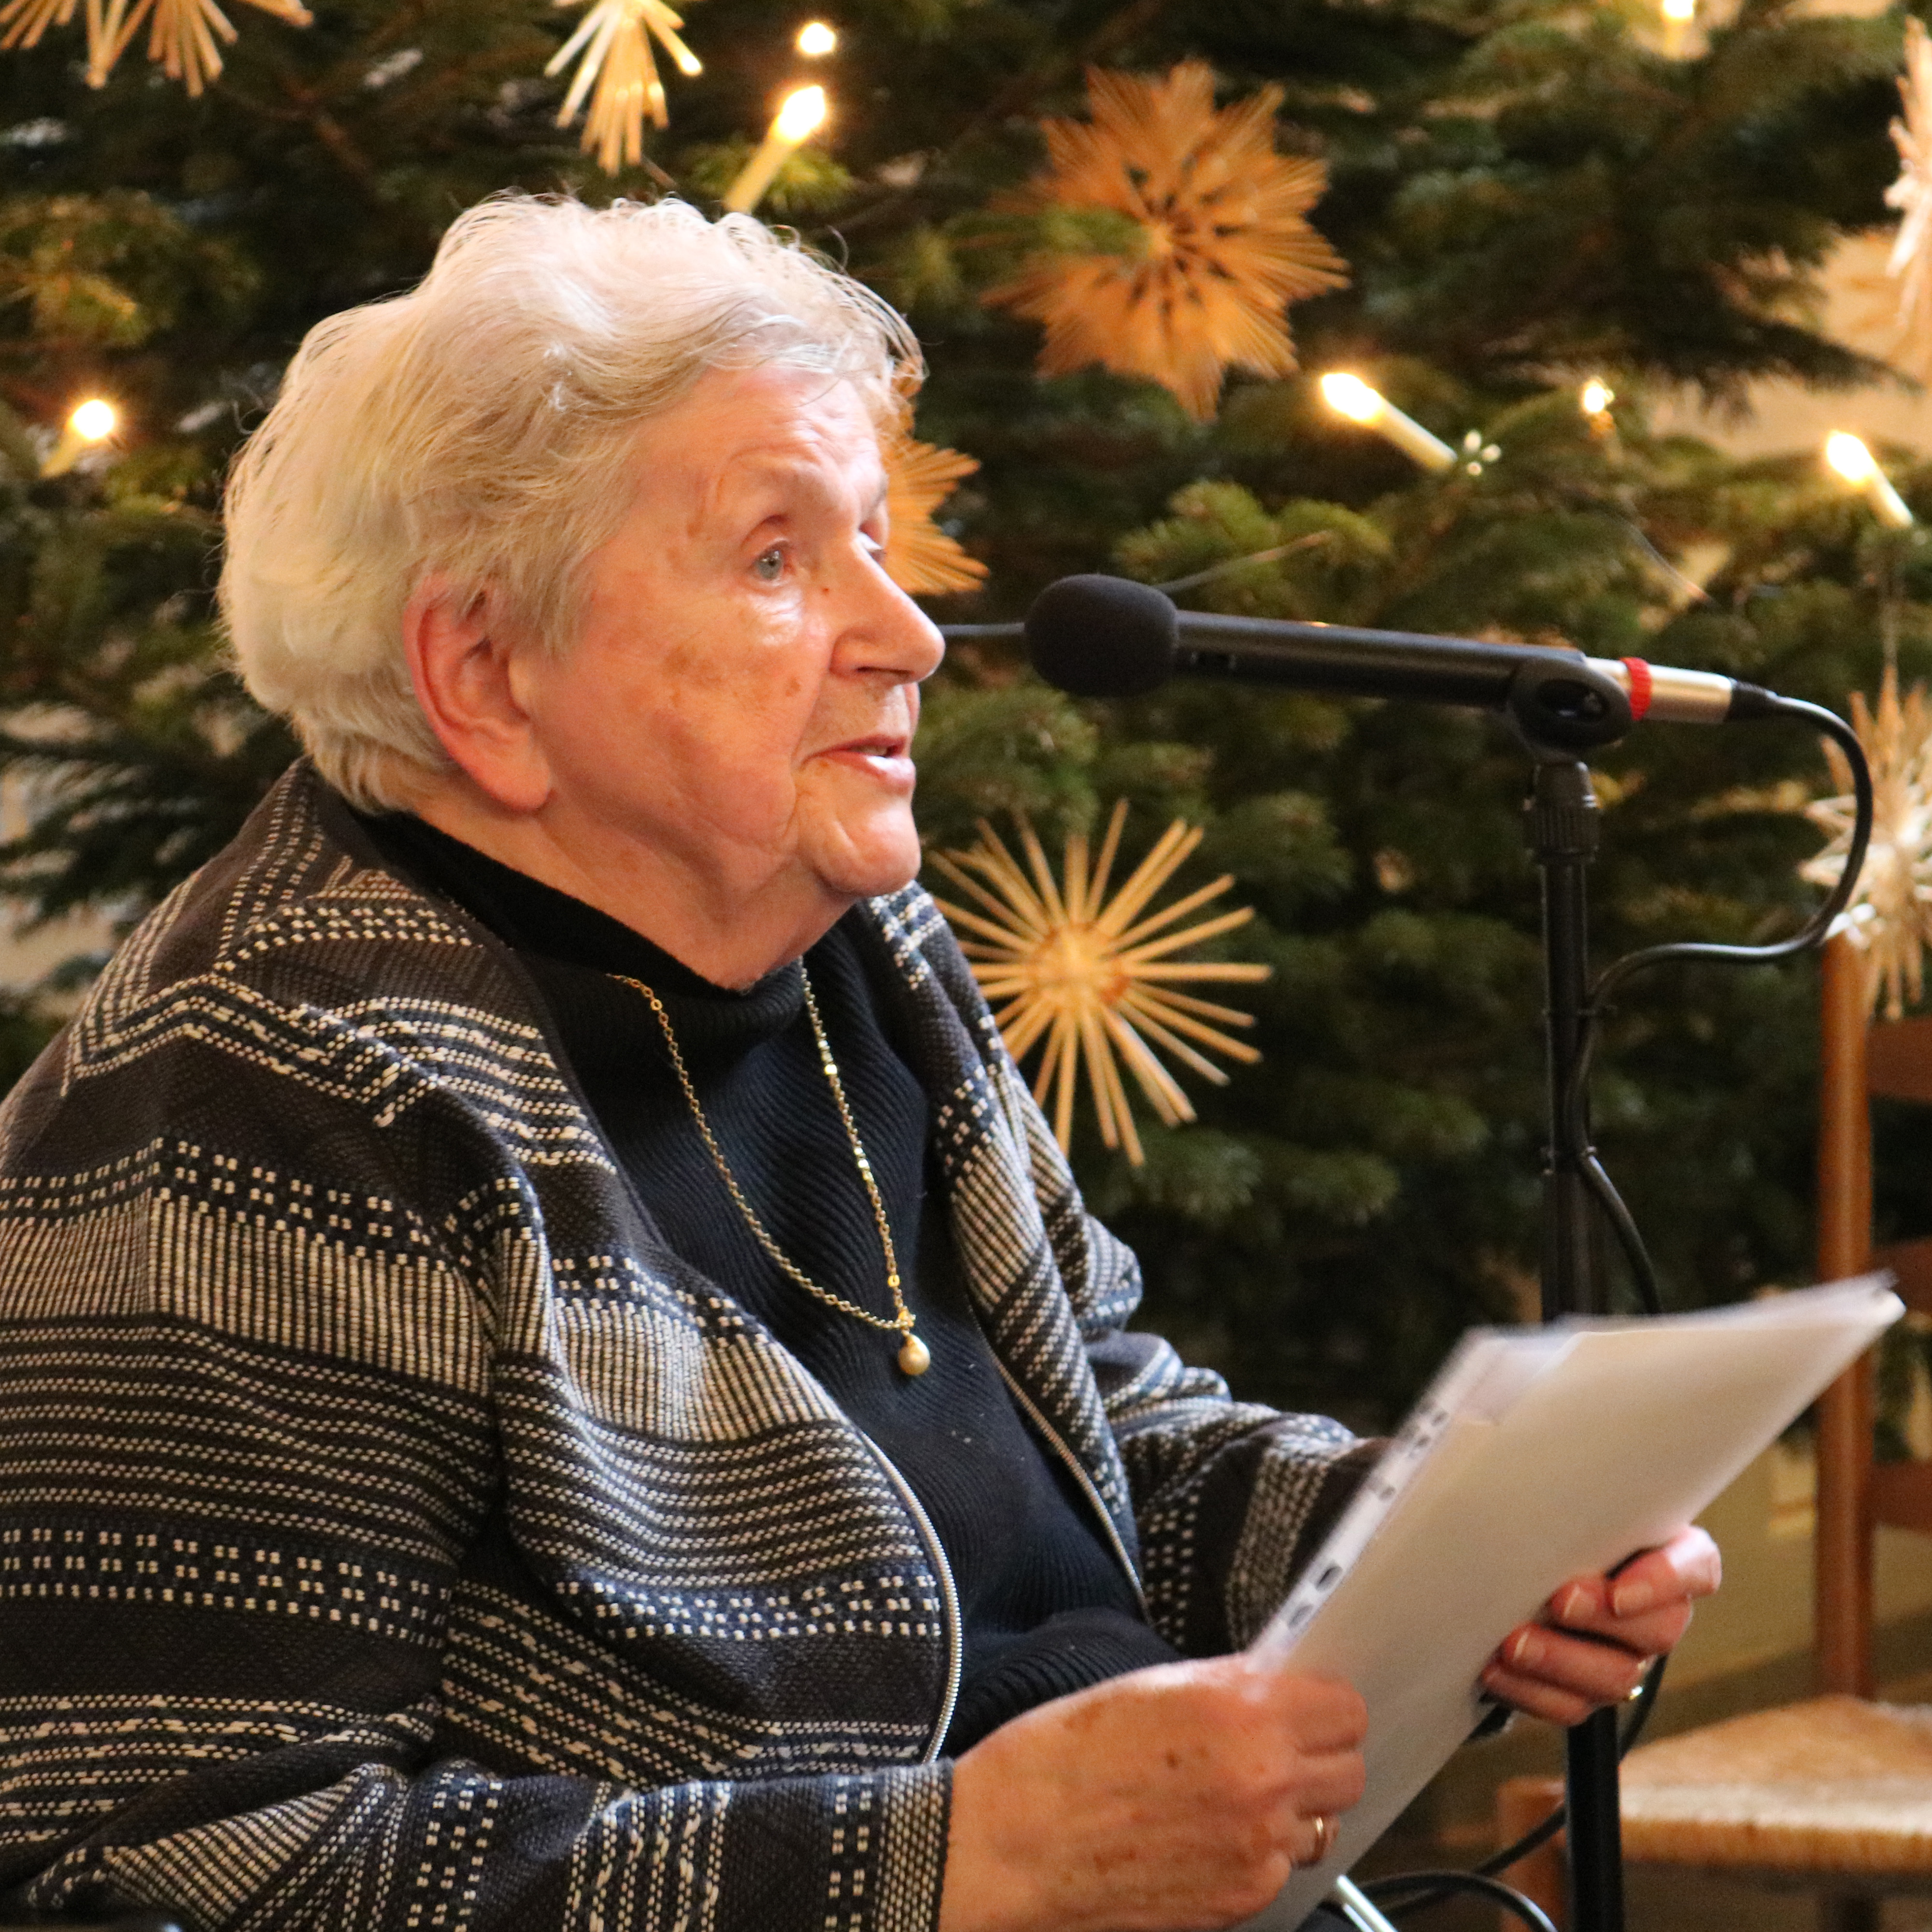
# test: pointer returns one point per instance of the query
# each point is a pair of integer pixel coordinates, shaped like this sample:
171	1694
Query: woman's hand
1176	1798
1621	1623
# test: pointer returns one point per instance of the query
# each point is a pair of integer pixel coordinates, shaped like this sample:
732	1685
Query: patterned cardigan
394	1533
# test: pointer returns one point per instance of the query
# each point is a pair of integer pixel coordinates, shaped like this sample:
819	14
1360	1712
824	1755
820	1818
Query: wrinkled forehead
743	436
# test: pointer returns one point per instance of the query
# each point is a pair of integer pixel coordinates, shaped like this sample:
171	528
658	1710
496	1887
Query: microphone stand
1557	720
1557	715
1560	818
1560	705
1559	711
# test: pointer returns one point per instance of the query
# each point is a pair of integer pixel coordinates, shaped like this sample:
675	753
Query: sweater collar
533	918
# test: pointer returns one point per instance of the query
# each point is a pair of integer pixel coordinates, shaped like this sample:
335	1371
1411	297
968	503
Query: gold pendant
915	1357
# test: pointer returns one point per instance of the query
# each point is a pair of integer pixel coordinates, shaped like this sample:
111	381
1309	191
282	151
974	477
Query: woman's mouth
885	757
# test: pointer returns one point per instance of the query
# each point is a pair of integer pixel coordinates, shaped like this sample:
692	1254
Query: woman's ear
465	680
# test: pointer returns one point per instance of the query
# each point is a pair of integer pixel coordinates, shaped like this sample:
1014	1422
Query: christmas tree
1130	235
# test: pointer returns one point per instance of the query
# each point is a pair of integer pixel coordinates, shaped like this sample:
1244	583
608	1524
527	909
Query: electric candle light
1349	396
1594	399
1858	466
1678	15
816	39
93	422
802	112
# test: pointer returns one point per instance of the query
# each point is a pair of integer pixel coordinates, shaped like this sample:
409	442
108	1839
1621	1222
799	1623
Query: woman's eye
769	568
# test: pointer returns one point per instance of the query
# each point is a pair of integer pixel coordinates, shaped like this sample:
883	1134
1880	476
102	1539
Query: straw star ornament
1910	265
1087	977
919	557
1890	918
1222	245
183	35
619	73
26	20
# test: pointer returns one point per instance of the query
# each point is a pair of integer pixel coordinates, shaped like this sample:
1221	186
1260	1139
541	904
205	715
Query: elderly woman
558	1380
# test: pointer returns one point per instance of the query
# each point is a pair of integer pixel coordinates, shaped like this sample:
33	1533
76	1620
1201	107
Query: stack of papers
1537	1455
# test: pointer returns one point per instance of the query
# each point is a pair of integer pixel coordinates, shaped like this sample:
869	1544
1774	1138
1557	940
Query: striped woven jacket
394	1533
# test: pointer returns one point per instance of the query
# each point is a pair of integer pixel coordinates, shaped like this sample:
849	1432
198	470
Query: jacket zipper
1080	1476
955	1636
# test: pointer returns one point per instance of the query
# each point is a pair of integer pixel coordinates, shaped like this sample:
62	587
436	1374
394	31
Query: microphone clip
1561	706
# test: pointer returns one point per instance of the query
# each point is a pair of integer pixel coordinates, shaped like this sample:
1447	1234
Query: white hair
478	428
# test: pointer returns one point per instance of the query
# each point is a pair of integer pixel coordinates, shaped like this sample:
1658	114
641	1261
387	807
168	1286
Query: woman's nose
898	635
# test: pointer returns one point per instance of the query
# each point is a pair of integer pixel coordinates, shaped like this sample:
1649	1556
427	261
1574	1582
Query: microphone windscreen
1101	637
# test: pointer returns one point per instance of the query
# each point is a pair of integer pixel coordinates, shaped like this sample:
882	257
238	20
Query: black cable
1813	932
1446	1882
1539	1835
1623	1225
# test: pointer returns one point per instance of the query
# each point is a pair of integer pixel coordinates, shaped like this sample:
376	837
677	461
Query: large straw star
919	557
1911	262
1222	247
1890	918
614	37
1086	974
182	34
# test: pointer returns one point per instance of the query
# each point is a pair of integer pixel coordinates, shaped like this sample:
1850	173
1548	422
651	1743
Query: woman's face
742	696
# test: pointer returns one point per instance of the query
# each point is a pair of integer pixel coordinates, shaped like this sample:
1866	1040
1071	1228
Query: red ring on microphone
1640	686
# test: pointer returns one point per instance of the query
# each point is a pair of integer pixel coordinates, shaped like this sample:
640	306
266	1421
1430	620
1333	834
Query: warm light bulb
1350	396
816	38
688	64
1680	9
801	112
92	422
1597	398
1849	457
1859	468
95	421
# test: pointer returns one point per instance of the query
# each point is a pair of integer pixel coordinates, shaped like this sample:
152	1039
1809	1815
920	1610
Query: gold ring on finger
1325	1836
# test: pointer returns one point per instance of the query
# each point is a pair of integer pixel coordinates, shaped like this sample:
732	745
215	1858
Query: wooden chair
1836	1792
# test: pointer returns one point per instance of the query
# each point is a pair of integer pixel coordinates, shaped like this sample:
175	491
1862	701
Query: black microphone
1108	636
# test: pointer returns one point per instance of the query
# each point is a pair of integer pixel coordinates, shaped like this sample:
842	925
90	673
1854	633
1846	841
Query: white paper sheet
1539	1454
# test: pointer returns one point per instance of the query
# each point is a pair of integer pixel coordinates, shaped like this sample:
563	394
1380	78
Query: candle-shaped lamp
1678	16
1858	466
91	423
1594	399
816	39
1349	396
801	114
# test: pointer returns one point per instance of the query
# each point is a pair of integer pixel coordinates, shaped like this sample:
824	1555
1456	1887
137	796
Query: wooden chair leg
1522	1804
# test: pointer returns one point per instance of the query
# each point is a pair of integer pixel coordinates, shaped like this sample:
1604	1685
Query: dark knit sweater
1046	1607
396	1534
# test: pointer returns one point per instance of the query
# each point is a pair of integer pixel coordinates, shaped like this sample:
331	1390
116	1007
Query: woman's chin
878	853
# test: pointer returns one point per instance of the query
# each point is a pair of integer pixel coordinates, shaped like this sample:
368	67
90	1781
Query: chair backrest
1858	1059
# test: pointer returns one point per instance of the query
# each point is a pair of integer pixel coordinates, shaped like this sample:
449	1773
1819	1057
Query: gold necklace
914	1357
